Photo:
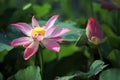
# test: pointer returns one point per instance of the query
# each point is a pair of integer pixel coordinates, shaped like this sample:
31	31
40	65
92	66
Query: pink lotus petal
26	45
60	39
51	21
95	40
43	27
25	28
93	29
49	31
30	50
21	41
94	32
60	32
51	45
34	22
39	38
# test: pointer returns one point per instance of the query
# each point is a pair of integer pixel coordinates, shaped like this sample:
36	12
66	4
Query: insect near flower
47	36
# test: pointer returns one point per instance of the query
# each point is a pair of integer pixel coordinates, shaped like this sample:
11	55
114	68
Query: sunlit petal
50	31
34	22
60	32
25	28
51	45
94	31
51	21
21	41
30	50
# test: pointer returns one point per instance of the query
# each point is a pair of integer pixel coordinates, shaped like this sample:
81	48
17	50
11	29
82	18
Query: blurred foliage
95	68
110	74
30	73
76	55
41	10
4	50
1	76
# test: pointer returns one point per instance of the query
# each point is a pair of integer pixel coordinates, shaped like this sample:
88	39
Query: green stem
100	55
118	21
100	52
39	60
57	57
92	11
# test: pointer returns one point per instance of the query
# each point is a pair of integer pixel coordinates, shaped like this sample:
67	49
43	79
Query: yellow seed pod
38	31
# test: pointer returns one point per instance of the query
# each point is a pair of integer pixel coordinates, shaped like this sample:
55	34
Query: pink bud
94	32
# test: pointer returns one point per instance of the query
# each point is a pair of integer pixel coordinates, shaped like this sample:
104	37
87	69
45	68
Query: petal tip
57	15
33	17
34	22
12	43
16	24
30	50
12	24
68	29
91	20
25	58
57	49
62	40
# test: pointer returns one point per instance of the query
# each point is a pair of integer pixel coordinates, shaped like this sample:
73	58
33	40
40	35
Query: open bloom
94	32
47	36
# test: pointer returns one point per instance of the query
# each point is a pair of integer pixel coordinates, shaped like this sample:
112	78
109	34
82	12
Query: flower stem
57	57
92	10
39	60
118	21
99	51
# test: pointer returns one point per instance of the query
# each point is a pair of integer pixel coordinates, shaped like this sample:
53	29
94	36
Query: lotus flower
47	36
94	32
